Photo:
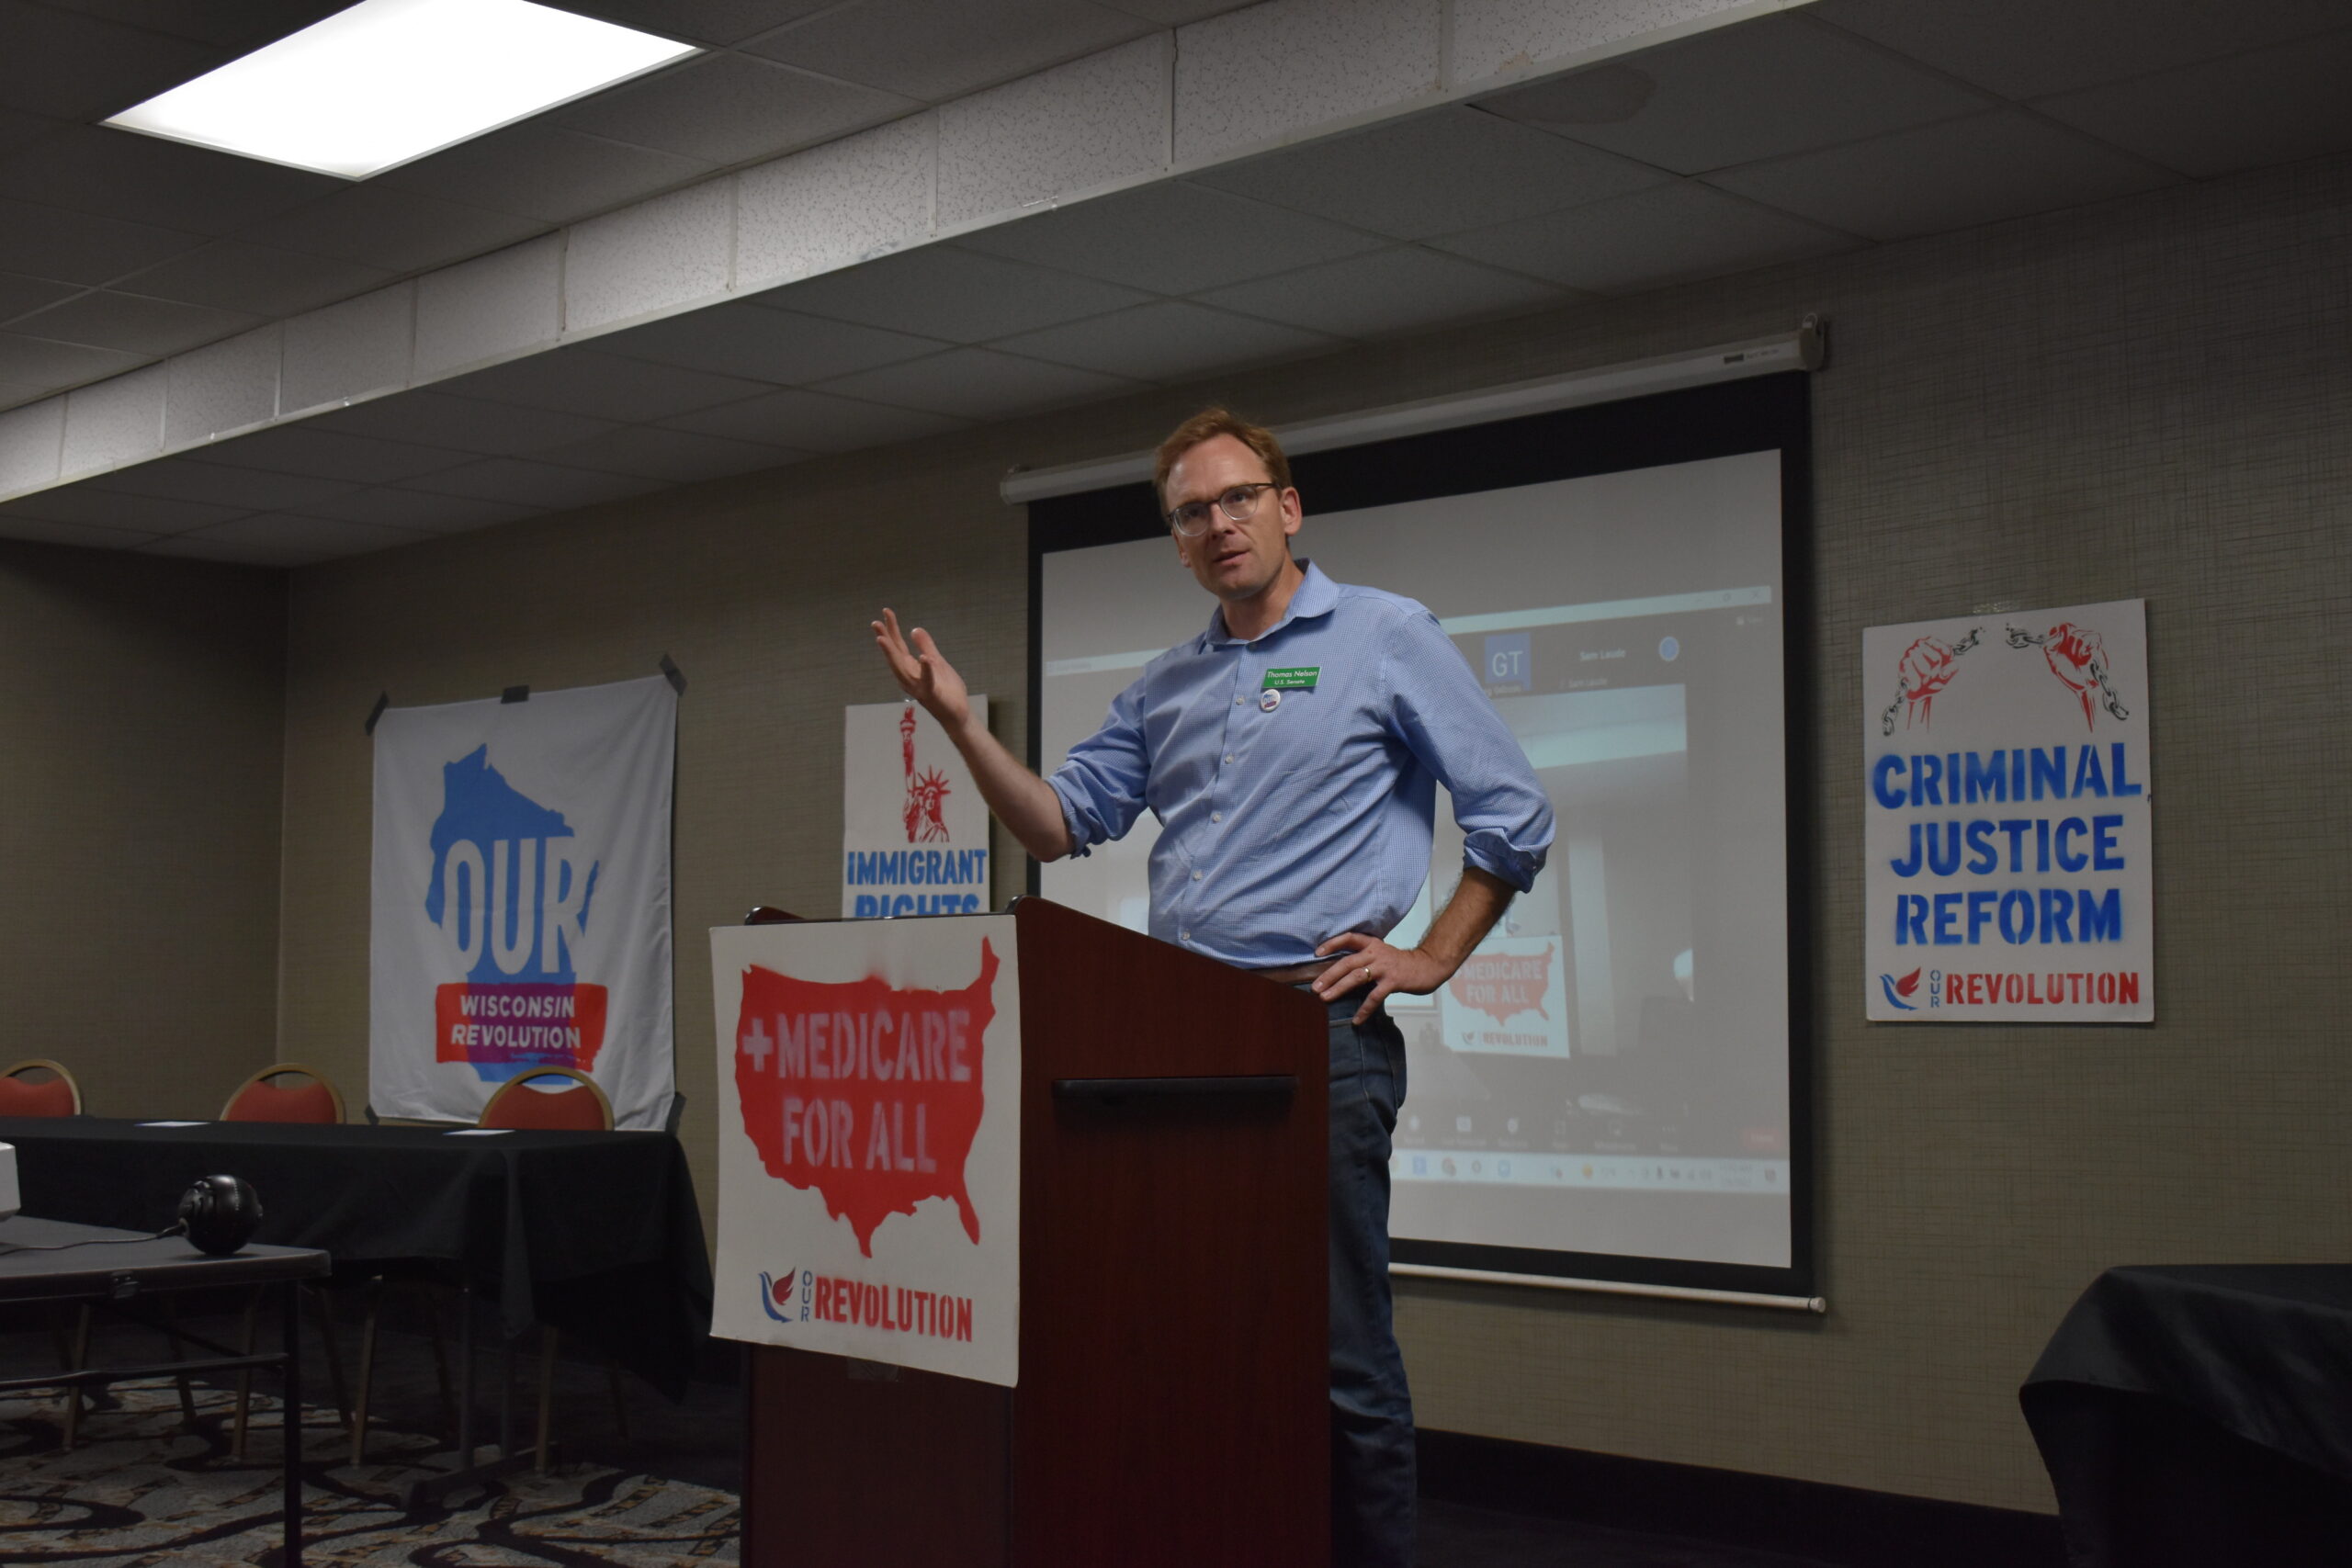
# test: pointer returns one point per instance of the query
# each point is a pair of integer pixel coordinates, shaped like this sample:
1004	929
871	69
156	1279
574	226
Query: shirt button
1196	876
1217	815
1184	936
1228	756
1236	702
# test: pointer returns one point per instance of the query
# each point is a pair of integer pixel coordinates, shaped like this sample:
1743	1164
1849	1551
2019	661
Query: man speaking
1290	753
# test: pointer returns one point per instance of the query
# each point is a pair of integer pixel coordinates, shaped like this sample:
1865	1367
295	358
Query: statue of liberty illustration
926	792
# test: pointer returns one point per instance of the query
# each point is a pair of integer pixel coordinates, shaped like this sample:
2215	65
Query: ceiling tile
17	129
18	294
508	302
246	26
1270	75
133	323
249	489
1666	235
118	513
115	422
228	386
32	442
1171	239
1736	95
47	242
2027	49
603	386
1437	173
1170	340
2271	106
1938	178
41	532
719	22
960	296
1056	136
678	456
78	67
256	279
836	205
923	49
725	108
977	383
385	226
532	484
813	421
37	362
414	509
331	454
674	251
15	394
286	539
1176	13
1393	291
120	173
196	547
781	347
356	348
431	419
546	172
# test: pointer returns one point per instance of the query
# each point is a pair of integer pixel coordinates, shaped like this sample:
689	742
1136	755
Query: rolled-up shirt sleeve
1444	717
1102	781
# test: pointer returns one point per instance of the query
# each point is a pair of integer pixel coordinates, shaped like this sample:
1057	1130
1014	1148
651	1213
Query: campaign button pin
1268	701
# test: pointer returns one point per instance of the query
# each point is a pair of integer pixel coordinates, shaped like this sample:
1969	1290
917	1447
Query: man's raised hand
923	673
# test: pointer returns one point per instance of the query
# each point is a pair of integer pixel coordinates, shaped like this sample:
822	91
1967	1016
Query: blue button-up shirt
1282	826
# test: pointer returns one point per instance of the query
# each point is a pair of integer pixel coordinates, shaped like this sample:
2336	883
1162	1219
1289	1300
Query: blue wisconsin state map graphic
505	885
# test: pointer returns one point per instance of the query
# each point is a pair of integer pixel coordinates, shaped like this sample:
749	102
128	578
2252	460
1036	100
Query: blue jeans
1372	1410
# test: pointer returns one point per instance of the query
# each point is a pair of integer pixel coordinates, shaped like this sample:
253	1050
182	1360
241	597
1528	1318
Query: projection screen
1612	1087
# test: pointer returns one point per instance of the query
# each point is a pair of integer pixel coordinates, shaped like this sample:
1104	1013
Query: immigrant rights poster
915	830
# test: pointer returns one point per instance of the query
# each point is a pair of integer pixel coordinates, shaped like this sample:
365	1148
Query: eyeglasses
1240	504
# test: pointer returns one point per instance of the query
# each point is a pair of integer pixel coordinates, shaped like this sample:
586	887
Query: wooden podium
1172	1407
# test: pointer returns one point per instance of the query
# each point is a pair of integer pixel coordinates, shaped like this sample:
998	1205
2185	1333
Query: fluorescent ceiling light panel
390	80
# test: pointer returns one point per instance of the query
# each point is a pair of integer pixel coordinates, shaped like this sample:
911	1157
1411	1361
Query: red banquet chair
56	1094
262	1098
576	1105
521	1105
313	1103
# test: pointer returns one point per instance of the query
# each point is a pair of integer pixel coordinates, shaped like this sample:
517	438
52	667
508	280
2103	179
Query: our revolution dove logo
1898	989
777	1296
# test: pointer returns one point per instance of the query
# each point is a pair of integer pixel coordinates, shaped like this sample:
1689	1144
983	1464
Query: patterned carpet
141	1489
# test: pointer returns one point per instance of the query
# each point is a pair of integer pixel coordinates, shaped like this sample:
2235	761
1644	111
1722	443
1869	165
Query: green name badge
1301	680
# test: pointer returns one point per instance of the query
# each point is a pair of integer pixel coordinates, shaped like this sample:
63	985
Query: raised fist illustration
2077	656
1927	668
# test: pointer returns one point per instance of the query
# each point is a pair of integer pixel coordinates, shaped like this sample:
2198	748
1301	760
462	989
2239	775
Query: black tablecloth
2201	1414
596	1234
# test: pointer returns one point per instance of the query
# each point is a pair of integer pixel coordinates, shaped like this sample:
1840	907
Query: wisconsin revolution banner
521	899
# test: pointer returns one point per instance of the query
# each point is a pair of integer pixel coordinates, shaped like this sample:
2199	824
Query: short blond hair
1207	425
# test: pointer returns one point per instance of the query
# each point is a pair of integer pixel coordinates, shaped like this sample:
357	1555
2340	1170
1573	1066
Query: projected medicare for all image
1609	1072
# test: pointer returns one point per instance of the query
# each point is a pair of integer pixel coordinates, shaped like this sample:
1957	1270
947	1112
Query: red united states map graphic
1502	984
868	1094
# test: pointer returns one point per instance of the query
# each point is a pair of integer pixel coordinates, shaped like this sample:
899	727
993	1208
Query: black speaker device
219	1214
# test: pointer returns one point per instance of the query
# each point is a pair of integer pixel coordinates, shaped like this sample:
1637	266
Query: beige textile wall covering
141	717
2148	398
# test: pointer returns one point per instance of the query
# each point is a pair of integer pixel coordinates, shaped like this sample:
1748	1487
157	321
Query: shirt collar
1317	595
